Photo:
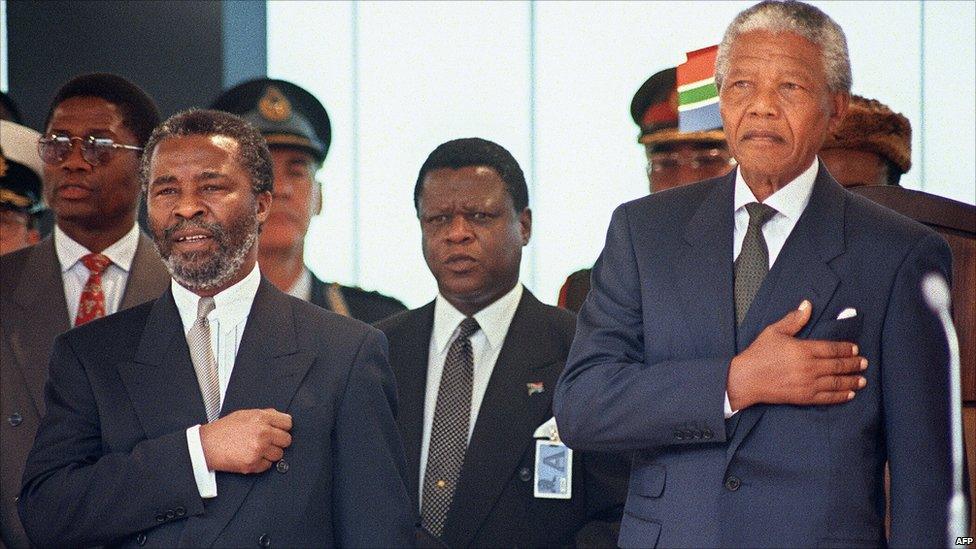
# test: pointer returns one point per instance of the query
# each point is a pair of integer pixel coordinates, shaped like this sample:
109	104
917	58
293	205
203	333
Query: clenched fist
246	441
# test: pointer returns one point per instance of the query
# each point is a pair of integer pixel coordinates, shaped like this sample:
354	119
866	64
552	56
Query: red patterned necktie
92	302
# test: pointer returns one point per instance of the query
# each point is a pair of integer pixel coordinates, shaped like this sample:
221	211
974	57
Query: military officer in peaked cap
674	157
20	187
297	129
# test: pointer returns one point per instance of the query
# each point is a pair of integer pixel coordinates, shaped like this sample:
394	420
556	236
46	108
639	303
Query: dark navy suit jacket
110	464
647	373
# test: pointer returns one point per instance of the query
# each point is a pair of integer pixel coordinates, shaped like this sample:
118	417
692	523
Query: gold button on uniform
441	483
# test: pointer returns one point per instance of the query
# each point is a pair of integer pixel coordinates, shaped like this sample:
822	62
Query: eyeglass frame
694	161
88	143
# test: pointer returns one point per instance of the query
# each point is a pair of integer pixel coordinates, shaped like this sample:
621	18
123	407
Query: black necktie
449	431
753	262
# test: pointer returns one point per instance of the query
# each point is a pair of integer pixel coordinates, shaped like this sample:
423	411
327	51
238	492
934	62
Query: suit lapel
802	271
704	272
43	318
148	277
506	421
267	371
161	382
412	354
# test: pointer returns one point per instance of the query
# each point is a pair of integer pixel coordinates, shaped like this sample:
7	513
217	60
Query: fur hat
870	125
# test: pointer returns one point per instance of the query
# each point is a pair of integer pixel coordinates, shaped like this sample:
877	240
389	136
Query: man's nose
765	102
188	205
75	161
459	229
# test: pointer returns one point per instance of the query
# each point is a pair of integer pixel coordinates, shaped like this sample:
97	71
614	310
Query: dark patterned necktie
91	304
449	431
753	262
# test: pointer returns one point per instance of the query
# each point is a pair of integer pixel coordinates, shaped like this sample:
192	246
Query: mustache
216	229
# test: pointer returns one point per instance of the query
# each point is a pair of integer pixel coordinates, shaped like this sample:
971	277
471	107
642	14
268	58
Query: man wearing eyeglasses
674	157
96	263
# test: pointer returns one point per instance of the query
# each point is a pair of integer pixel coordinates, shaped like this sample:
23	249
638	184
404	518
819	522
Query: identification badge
553	465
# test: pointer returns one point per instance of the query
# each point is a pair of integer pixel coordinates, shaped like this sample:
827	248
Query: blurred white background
552	82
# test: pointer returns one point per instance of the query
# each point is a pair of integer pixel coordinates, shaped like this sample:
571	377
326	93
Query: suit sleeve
77	494
371	507
915	397
611	397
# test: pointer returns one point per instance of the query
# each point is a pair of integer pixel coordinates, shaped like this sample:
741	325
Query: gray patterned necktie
449	431
201	353
753	262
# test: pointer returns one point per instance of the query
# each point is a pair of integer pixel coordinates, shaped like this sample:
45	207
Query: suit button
689	435
170	514
282	466
264	540
15	419
180	511
160	517
141	539
732	483
525	474
679	435
696	433
707	434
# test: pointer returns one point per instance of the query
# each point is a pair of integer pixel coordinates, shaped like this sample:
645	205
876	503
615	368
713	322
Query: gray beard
217	268
211	274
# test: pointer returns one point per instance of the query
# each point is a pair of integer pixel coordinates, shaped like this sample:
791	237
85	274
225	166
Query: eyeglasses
54	149
706	158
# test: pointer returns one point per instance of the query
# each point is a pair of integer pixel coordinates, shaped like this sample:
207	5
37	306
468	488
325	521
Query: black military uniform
289	116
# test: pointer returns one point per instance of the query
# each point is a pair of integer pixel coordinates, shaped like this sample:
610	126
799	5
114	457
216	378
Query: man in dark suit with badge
476	368
225	413
298	131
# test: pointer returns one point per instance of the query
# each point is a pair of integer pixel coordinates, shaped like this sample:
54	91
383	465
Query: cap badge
274	105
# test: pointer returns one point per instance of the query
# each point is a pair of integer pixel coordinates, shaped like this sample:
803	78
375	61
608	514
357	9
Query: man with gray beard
225	413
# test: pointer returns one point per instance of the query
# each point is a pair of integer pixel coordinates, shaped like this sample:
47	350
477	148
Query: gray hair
253	153
796	17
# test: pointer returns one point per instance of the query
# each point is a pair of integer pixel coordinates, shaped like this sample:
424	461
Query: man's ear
316	205
264	200
839	102
525	225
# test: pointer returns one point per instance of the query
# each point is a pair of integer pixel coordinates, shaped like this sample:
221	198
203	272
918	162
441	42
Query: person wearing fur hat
20	187
872	147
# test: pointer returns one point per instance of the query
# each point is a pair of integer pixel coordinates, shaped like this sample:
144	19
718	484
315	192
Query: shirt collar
494	319
302	288
231	306
790	200
121	252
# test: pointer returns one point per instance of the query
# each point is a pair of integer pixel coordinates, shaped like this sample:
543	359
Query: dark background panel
182	53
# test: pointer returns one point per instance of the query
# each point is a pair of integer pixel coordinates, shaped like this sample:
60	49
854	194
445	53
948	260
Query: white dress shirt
486	343
302	288
227	321
74	274
789	202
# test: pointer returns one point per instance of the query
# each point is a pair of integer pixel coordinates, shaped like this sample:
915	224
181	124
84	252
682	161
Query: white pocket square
547	430
849	312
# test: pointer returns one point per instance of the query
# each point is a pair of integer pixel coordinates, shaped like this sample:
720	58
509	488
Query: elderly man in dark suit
97	261
760	339
475	370
224	413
